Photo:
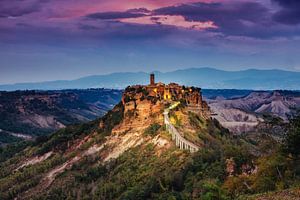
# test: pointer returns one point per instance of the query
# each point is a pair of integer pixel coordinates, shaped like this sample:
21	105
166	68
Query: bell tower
152	79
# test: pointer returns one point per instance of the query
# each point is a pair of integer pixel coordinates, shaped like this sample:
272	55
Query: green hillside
73	162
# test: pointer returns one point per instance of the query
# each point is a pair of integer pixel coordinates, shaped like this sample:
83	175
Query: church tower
152	79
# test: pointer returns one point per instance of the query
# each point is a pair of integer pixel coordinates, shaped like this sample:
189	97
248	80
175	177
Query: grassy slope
141	174
14	183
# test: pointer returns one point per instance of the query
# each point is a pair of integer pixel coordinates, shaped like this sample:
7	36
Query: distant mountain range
202	77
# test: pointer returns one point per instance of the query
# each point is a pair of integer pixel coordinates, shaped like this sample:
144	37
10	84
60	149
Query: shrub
212	191
152	129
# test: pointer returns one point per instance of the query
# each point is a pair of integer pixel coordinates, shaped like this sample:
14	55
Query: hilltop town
168	93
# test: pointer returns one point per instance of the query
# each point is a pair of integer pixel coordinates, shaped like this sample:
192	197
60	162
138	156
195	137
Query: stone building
174	92
190	96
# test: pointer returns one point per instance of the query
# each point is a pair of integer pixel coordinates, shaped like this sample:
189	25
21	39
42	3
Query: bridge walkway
180	141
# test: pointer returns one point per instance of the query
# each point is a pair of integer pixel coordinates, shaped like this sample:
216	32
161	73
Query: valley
28	114
245	113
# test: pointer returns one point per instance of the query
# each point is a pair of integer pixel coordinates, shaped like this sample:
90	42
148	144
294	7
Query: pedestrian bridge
180	141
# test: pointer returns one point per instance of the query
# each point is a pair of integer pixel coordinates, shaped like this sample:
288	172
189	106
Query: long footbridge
180	141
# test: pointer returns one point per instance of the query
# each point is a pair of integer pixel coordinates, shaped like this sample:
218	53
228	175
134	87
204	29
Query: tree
291	144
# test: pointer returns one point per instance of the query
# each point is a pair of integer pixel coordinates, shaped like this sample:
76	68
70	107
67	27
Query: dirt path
35	160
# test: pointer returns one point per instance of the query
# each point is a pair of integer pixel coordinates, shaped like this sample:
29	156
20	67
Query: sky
43	40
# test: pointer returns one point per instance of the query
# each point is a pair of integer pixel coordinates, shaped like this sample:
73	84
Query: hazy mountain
224	93
202	77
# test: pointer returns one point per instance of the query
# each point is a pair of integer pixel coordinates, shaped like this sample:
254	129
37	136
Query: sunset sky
65	39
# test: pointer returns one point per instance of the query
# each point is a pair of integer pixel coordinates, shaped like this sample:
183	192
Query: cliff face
139	113
166	94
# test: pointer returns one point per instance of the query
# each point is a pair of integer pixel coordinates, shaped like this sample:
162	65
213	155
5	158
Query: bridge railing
180	141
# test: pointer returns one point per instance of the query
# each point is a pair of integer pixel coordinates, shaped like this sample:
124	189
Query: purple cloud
15	8
239	18
250	19
132	13
288	3
245	33
218	12
246	19
289	13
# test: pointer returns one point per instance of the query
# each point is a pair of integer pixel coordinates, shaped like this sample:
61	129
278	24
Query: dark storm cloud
289	12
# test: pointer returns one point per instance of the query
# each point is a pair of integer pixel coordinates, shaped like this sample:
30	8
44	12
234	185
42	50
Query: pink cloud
149	4
81	8
66	10
170	20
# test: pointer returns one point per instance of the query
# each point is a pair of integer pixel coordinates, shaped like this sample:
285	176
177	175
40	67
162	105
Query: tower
152	79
